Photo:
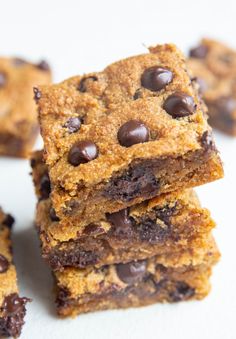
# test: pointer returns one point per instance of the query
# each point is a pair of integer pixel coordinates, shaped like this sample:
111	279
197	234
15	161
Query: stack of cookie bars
118	220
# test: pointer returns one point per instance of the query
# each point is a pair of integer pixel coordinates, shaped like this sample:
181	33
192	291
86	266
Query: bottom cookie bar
133	284
12	307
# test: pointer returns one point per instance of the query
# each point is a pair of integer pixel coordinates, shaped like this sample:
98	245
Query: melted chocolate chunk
13	319
121	224
73	124
179	105
13	304
152	231
79	257
182	292
4	264
82	86
3	79
53	215
43	66
82	152
37	94
138	180
132	132
45	186
156	78
199	52
8	221
132	272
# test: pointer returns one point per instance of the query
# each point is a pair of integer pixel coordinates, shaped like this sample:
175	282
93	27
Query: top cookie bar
214	66
115	138
18	114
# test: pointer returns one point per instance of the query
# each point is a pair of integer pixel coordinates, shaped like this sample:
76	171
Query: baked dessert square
169	223
12	307
18	115
134	284
116	138
213	64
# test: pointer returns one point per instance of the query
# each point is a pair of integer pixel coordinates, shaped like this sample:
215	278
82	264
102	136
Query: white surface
81	36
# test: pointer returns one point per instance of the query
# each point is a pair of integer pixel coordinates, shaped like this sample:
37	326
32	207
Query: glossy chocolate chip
120	219
132	132
132	272
73	124
82	86
4	264
43	66
156	78
82	152
8	221
199	52
179	105
53	215
13	303
207	140
37	94
3	79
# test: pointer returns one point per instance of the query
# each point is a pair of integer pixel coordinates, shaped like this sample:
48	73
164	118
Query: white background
81	36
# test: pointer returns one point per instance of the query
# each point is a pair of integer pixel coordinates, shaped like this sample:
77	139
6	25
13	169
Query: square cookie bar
18	114
12	307
133	284
161	225
214	66
116	138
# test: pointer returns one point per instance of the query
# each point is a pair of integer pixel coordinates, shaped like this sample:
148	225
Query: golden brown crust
175	151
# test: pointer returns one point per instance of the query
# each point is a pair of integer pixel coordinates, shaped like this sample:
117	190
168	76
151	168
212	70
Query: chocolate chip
207	140
3	79
4	264
120	219
73	124
18	62
37	94
82	152
199	52
43	66
179	105
132	132
183	292
156	78
45	186
8	221
137	94
132	272
13	303
82	86
53	215
93	229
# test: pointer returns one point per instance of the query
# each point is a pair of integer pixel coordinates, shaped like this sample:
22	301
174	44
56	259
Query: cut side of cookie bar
12	307
18	115
213	64
133	284
166	224
116	138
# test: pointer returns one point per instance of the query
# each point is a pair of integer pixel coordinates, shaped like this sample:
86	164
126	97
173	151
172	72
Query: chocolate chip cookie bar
165	224
12	307
213	64
18	114
133	284
116	138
